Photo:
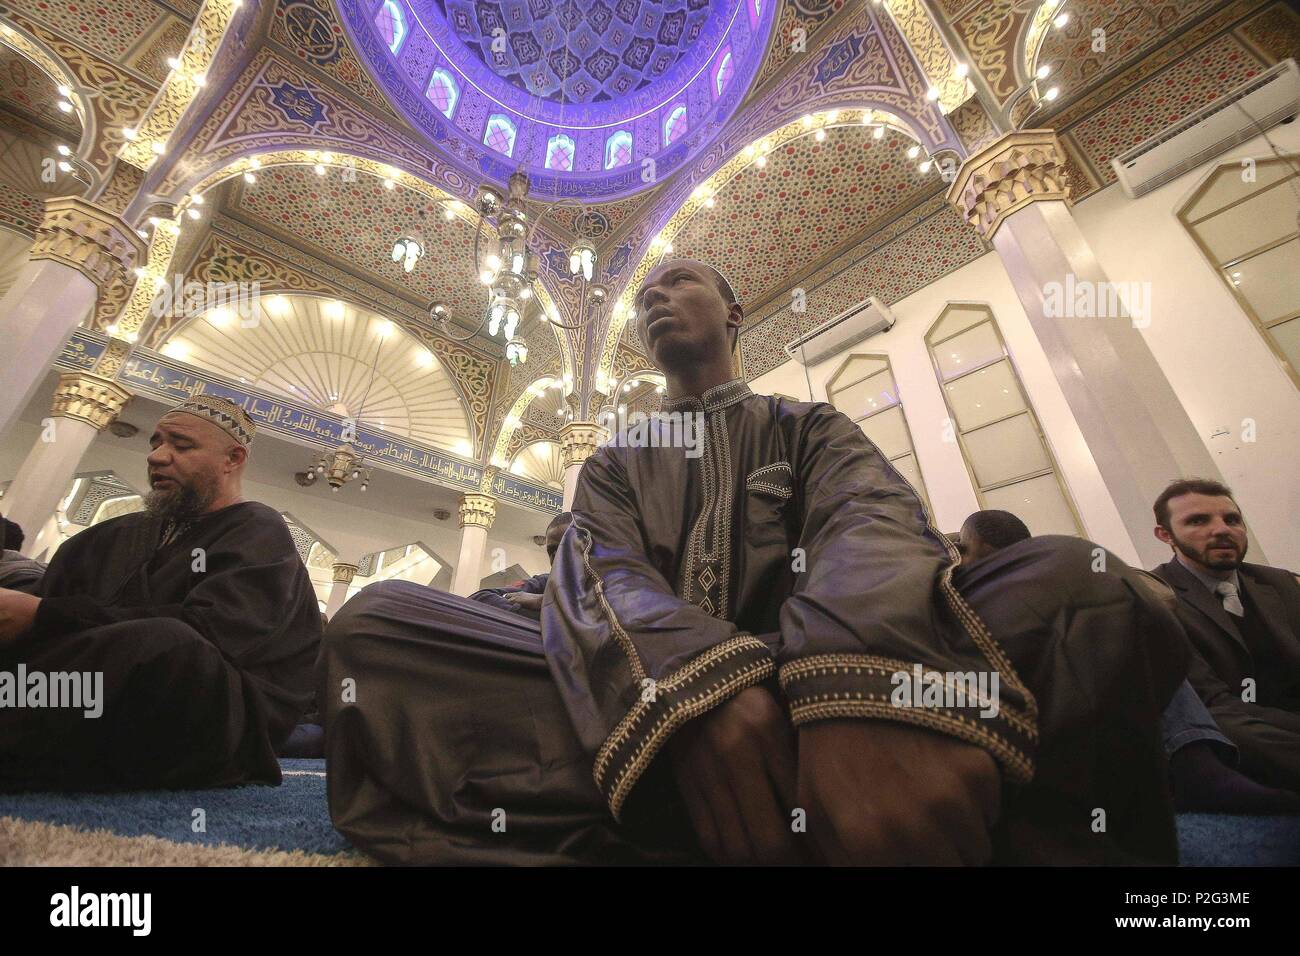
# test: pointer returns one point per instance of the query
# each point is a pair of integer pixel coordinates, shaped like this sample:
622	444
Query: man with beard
198	614
722	633
1243	621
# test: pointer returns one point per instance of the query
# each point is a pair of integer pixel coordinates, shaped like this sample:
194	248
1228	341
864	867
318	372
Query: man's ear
238	455
1163	534
735	319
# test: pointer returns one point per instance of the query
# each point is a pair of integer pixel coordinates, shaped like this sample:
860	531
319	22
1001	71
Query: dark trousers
447	741
175	714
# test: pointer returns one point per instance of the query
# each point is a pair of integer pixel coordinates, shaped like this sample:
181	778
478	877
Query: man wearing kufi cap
193	626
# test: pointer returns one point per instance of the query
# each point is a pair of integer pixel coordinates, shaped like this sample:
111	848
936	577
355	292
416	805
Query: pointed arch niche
864	389
1010	463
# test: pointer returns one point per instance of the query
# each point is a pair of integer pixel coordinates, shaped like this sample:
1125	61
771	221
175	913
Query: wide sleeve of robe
875	598
632	660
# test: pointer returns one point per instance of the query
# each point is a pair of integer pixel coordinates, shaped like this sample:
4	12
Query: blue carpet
294	816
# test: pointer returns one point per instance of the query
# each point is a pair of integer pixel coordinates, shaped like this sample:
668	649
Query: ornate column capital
1009	174
92	240
579	441
90	398
344	573
478	511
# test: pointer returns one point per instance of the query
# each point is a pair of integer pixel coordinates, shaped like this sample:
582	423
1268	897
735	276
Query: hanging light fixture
408	250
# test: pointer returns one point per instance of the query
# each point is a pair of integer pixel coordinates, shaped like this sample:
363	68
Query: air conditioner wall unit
1240	114
848	328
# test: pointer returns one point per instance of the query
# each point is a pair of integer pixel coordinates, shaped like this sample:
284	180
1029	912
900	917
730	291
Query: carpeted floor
289	826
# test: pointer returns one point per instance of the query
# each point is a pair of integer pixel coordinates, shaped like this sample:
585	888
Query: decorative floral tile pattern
923	254
769	224
1193	81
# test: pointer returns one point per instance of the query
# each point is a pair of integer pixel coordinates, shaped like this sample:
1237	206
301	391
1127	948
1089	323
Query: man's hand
17	611
529	602
735	768
880	793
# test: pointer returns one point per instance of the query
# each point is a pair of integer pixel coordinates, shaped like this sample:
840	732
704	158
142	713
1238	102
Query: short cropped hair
998	529
1188	486
11	535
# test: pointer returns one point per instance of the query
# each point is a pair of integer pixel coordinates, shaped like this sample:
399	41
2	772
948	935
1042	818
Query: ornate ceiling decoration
811	200
540	462
321	352
581	94
27	92
354	220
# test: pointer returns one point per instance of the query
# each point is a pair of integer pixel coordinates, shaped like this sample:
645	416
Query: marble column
343	575
477	512
80	249
1015	192
578	441
84	405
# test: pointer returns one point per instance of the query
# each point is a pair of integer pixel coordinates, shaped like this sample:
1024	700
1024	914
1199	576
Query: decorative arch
63	76
1010	463
1248	233
540	461
514	419
348	156
675	124
686	201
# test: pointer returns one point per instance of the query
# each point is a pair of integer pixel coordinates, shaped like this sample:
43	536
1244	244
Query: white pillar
477	512
84	405
79	249
343	575
578	441
1014	193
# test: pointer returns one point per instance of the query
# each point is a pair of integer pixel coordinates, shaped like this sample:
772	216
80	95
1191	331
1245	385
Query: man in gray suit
1243	622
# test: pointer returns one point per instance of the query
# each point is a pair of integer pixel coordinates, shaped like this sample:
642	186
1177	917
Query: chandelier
345	463
508	268
340	466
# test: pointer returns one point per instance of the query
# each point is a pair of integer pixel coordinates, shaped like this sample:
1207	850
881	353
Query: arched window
559	153
392	24
1248	231
443	92
864	389
722	74
674	125
1009	461
500	134
618	149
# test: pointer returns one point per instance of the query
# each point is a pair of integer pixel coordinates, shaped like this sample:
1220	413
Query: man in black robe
188	630
747	587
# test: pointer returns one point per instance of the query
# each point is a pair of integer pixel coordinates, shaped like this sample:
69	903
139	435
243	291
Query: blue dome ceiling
565	51
596	99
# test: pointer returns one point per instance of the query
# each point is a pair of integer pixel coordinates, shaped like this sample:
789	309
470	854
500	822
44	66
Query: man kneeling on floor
749	650
170	648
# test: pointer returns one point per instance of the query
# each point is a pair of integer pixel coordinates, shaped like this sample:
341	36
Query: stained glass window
392	24
559	153
674	125
618	149
443	92
723	74
755	11
500	134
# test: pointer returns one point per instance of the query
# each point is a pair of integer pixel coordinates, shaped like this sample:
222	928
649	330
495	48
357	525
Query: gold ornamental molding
89	398
579	441
344	573
1007	175
92	240
478	511
188	76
